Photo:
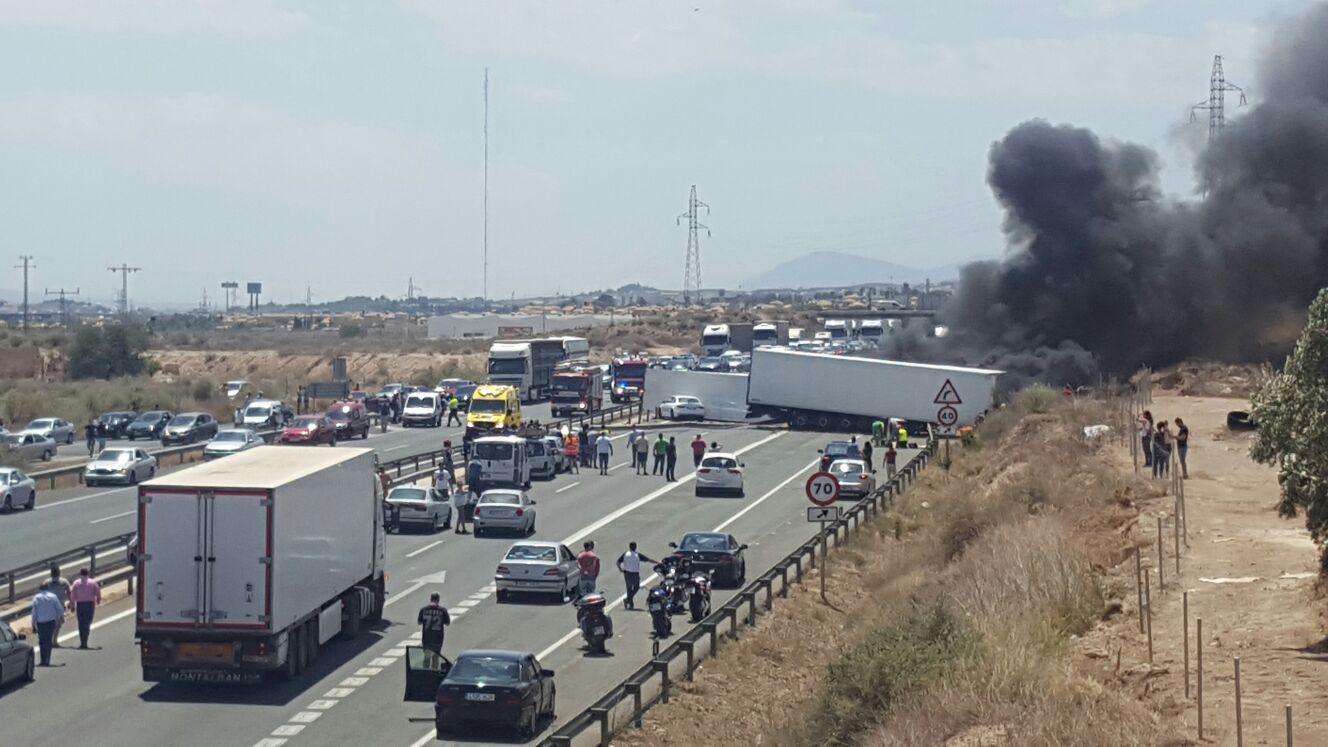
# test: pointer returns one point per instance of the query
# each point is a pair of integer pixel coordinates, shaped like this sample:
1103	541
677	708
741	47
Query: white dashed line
339	692
424	549
568	487
381	662
491	588
322	705
396	652
468	602
115	516
354	681
269	742
368	671
306	717
287	730
454	612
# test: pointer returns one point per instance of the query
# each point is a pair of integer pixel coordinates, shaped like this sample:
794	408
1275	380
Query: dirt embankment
273	365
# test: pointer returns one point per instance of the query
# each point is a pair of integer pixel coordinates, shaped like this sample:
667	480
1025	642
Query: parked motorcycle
595	624
672	573
657	602
698	595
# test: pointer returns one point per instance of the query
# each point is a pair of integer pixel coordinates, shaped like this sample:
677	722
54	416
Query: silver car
854	478
58	430
508	509
421	507
123	466
31	446
537	568
17	490
554	445
231	441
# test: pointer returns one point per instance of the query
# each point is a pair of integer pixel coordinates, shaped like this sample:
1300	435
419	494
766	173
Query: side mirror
744	466
532	503
820	451
742	547
546	673
674	545
22	637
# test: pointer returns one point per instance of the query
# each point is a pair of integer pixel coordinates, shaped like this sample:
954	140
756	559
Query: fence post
750	596
1288	725
713	629
1161	557
663	668
1185	614
691	655
770	594
1139	585
602	716
634	689
783	587
11	589
1198	678
1148	607
1240	718
92	560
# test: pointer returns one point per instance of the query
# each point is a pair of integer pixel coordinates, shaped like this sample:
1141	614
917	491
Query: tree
105	352
1291	410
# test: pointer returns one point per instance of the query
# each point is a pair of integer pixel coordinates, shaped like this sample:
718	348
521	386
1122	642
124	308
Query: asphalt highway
353	694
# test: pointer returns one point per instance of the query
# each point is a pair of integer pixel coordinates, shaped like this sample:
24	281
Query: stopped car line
353	693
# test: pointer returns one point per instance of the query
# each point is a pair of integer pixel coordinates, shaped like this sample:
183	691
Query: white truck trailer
248	565
840	392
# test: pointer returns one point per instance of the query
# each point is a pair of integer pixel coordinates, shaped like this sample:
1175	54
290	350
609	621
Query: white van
265	413
503	461
422	408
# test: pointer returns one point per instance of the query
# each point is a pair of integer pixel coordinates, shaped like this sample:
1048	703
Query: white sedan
420	506
720	472
680	406
17	490
125	466
537	567
504	509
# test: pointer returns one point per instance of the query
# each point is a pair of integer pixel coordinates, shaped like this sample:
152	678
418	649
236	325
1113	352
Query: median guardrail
22	582
628	701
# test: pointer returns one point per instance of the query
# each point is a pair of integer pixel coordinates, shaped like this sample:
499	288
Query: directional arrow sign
436	579
822	513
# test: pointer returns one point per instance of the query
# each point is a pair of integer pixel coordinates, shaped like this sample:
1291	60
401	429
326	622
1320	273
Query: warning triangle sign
948	395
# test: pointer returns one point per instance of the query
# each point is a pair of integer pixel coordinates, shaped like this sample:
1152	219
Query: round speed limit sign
823	488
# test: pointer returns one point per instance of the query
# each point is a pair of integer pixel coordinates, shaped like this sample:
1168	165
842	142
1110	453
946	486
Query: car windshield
465	390
150	417
258	411
630	371
339	413
306	422
842	448
507	366
703	542
488	405
12	440
230	436
419	401
407	494
115	455
496	451
183	420
486	668
719	462
41	424
533	552
506	499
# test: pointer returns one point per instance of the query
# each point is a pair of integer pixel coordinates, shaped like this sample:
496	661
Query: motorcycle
595	624
698	595
673	573
657	602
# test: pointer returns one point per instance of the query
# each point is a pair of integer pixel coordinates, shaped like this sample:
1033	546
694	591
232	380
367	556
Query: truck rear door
205	559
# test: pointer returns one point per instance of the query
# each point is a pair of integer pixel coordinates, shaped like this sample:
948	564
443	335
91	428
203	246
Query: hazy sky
338	144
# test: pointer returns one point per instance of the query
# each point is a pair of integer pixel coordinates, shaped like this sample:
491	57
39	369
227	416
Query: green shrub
109	351
202	390
350	330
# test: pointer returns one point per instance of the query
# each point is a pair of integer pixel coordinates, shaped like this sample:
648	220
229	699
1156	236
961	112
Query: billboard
254	288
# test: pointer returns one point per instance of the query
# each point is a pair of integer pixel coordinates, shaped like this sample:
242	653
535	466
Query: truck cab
871	331
577	392
838	329
765	333
510	365
494	408
714	339
504	461
629	379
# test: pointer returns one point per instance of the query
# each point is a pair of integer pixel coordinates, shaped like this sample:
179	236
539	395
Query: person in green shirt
878	433
661	449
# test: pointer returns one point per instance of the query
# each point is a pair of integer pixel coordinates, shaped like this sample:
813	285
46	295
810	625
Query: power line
1217	99
691	273
27	264
124	271
64	309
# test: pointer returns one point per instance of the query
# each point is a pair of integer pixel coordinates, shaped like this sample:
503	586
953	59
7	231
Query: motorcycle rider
629	564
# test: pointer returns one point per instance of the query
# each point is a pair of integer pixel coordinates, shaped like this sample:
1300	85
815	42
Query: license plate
597	631
656	607
527	584
481	697
498	512
206	651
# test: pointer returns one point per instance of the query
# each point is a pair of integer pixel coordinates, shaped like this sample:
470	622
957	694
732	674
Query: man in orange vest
572	450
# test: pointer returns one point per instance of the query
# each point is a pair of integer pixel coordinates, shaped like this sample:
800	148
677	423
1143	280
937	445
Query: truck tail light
153	649
255	648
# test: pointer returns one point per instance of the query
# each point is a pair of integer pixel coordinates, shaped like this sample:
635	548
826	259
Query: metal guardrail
23	582
631	696
51	475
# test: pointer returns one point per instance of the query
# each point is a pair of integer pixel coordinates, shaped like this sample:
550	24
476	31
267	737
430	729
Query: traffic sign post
823	490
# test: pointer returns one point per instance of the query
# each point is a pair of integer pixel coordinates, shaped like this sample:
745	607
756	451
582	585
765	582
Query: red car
310	429
350	419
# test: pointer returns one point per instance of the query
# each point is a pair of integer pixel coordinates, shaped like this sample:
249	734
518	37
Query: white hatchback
720	472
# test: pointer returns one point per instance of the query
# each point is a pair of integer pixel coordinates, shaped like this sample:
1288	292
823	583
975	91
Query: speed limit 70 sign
822	488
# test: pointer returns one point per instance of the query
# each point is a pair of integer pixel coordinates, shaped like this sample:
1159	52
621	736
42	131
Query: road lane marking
269	742
354	681
424	549
397	448
368	671
458	611
287	730
57	504
116	516
323	704
306	717
568	487
339	692
427	738
761	500
468	603
100	623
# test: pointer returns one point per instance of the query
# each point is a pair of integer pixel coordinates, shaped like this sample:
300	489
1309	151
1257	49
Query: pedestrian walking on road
90	433
670	460
46	611
890	456
84	596
448	464
384	480
661	448
641	454
460	499
60	588
588	562
1146	436
433	620
903	437
867	455
584	445
629	563
632	438
698	450
603	450
454	410
1182	447
878	432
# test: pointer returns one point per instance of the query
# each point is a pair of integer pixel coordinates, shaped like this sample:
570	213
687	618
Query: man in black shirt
433	621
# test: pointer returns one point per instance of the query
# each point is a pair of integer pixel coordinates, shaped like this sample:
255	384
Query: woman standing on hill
1146	436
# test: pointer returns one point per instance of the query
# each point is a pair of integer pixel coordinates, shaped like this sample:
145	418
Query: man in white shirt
630	565
603	450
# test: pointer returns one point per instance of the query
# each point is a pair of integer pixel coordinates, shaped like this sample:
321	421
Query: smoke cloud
1104	274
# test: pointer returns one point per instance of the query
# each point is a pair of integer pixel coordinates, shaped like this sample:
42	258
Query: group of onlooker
1159	442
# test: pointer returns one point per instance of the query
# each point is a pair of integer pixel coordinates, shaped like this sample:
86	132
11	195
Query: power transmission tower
124	271
1217	100
691	274
64	309
486	184
228	291
308	295
27	265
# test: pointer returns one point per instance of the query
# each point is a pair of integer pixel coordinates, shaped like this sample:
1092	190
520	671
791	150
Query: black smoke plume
1104	274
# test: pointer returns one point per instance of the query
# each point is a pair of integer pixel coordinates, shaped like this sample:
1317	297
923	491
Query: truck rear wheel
350	626
311	642
380	597
801	421
291	669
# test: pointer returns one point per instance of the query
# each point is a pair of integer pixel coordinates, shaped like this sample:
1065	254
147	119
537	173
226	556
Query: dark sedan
16	659
149	425
114	424
495	687
189	428
310	429
714	551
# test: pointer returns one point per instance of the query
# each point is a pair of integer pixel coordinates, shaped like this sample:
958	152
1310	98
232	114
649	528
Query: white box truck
248	564
846	393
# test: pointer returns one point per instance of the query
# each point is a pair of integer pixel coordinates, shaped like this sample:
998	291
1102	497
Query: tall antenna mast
691	275
27	265
1217	100
486	184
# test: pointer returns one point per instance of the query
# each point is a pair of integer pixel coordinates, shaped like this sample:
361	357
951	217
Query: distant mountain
832	269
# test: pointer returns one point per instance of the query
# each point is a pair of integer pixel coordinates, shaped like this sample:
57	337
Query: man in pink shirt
84	596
